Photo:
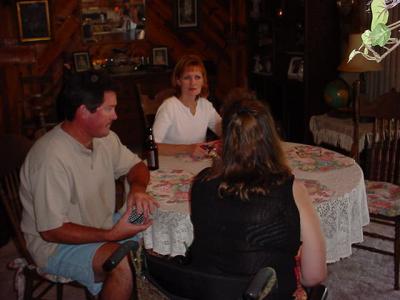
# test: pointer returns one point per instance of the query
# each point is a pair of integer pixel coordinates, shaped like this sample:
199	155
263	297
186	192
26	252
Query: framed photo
82	61
296	68
160	56
186	13
33	20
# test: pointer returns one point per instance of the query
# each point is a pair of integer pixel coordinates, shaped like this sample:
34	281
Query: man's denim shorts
76	262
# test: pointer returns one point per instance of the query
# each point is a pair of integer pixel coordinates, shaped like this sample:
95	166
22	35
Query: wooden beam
61	40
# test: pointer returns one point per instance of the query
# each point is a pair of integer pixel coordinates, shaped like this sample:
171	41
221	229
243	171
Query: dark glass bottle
151	151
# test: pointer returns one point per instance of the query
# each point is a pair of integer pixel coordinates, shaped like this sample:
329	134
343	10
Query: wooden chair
13	150
210	286
383	171
151	98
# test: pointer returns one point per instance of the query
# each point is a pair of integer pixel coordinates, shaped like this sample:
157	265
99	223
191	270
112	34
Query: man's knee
123	270
102	254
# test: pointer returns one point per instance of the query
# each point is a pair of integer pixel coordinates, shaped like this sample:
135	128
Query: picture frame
296	68
186	12
33	20
82	61
160	56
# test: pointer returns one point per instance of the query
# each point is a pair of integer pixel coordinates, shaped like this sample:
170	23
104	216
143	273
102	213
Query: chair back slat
392	149
383	153
13	149
395	171
151	98
9	196
386	131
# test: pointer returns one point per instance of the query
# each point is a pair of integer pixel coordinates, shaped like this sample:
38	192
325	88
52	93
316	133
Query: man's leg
118	283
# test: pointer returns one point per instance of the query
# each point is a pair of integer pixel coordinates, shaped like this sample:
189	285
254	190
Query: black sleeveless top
239	237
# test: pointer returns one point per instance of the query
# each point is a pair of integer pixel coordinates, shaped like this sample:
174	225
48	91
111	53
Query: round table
335	183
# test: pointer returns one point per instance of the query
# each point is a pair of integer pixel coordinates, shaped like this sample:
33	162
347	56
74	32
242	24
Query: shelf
263	74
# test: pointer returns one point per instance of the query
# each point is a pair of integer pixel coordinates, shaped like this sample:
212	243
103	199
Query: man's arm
70	233
138	178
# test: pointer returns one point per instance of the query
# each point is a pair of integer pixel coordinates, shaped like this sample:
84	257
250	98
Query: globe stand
341	113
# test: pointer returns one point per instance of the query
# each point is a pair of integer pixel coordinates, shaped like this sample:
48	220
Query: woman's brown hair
187	62
252	159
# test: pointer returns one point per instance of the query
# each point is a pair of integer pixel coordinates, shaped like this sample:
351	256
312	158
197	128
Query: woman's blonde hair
187	62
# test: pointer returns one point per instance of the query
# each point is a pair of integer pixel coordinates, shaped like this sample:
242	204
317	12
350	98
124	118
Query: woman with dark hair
182	120
248	211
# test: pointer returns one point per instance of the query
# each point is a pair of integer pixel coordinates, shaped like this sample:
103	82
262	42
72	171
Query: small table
335	183
338	132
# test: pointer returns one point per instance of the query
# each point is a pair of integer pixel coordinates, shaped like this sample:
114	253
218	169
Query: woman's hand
210	149
199	151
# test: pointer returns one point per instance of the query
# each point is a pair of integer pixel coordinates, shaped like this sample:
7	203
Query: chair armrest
262	284
119	254
318	292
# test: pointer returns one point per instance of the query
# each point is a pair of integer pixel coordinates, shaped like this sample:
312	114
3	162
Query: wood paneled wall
219	38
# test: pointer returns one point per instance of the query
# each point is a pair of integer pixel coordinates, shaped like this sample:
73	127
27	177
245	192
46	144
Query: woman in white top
181	121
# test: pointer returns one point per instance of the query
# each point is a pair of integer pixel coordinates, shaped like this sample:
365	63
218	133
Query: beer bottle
151	151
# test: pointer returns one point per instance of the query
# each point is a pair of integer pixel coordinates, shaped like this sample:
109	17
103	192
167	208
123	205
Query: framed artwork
160	56
82	61
33	20
296	68
186	13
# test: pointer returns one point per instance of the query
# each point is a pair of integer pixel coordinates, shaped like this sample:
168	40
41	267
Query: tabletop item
135	217
151	151
335	184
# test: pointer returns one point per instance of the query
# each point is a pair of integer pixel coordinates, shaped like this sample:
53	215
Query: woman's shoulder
203	177
300	194
205	104
202	174
170	101
169	105
203	101
299	187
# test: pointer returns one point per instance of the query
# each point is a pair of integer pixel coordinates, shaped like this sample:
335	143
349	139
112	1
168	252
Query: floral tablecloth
334	182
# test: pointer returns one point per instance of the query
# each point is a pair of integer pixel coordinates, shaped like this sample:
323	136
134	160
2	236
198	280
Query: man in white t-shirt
68	192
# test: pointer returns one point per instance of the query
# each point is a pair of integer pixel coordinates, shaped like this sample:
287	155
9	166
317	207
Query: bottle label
152	160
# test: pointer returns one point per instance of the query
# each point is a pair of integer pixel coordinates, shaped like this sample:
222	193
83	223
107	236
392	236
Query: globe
337	94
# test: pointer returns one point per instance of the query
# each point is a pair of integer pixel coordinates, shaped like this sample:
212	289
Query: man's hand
138	178
123	229
143	202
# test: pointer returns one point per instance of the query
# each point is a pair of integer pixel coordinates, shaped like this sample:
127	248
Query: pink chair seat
383	198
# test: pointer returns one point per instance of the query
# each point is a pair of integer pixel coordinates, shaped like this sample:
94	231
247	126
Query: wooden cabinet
281	35
130	125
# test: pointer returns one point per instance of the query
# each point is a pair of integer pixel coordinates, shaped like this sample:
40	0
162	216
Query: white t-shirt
175	124
62	181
